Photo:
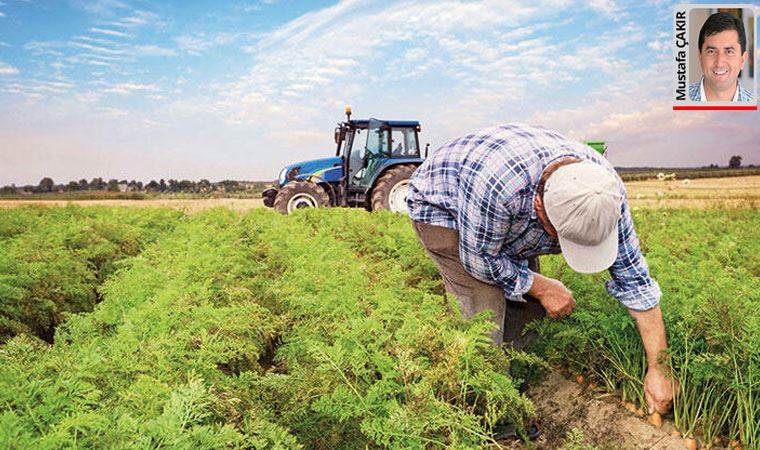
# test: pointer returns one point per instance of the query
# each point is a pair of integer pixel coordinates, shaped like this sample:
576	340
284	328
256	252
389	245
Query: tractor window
404	143
376	149
355	151
377	142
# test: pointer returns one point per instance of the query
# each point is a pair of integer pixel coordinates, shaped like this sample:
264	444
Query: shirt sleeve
631	283
483	223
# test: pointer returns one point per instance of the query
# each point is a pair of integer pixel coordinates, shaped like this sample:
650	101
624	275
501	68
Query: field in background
731	192
645	174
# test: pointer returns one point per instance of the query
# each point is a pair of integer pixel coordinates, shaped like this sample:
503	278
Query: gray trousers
473	295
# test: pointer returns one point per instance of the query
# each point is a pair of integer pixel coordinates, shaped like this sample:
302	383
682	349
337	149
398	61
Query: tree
83	185
152	186
735	162
185	186
97	184
72	186
46	185
113	185
162	185
229	185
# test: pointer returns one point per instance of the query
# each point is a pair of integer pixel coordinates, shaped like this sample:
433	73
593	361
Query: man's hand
658	390
658	386
553	295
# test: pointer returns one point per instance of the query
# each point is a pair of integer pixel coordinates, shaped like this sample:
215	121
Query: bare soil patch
563	406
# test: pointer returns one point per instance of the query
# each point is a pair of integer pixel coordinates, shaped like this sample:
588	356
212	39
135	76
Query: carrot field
155	328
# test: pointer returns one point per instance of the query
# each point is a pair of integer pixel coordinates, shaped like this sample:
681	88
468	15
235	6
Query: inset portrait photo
721	55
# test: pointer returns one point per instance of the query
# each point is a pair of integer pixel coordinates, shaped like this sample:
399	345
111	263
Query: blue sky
143	89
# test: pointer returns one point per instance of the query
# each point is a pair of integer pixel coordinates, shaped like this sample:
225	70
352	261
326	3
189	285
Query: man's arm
635	289
658	389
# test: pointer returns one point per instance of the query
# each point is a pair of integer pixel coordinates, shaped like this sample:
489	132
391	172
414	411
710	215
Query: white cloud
608	7
98	49
138	19
100	7
2	14
199	43
109	32
6	69
290	62
129	88
152	50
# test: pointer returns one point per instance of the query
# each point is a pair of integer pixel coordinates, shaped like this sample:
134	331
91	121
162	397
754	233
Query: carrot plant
331	329
53	259
260	331
707	263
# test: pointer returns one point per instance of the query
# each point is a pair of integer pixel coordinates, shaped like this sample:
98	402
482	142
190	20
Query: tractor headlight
283	174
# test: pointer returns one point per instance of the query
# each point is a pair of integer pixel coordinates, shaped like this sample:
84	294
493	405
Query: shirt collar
702	90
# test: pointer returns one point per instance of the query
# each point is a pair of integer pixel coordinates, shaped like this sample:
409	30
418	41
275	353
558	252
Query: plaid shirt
483	185
695	92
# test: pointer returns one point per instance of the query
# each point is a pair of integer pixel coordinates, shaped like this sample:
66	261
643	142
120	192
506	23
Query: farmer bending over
486	203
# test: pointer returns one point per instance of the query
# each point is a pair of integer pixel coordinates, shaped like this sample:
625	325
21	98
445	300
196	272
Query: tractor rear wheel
300	194
391	188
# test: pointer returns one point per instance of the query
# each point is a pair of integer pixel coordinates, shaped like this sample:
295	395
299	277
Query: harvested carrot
675	433
655	419
735	444
579	379
630	407
690	443
592	386
640	412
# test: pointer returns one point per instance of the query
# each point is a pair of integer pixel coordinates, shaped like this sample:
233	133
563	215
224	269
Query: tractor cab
369	147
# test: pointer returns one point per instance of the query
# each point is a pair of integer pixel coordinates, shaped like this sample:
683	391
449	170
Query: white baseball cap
583	202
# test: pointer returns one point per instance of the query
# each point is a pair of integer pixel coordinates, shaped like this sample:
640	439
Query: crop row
53	260
260	331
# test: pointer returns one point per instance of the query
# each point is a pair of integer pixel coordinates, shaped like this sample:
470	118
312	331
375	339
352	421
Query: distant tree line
47	185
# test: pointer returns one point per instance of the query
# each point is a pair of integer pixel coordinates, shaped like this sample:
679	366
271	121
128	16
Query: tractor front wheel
300	194
391	189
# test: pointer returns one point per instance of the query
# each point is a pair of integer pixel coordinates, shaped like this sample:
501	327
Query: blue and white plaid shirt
741	94
483	186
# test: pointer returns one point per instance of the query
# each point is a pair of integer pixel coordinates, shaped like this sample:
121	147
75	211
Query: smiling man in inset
722	54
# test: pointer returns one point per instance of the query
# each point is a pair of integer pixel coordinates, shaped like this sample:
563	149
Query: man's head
722	52
579	202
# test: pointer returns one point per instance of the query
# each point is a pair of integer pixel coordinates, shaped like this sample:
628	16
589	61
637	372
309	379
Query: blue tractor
371	168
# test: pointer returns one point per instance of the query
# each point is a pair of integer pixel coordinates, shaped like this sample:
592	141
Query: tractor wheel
391	188
300	194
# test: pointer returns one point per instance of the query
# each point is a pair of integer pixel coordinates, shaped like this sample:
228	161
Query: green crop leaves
331	329
706	262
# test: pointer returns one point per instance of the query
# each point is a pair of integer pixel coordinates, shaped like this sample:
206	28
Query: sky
148	89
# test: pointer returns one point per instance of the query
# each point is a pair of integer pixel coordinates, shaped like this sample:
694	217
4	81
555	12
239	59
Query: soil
563	405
